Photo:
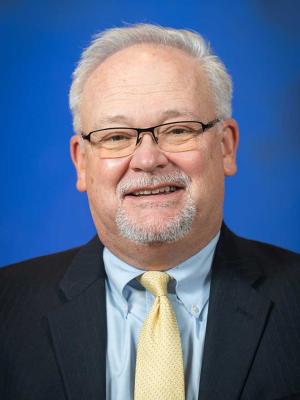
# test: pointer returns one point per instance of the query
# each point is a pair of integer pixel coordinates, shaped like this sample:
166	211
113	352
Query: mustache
176	178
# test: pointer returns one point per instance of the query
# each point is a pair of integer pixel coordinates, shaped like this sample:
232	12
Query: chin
156	230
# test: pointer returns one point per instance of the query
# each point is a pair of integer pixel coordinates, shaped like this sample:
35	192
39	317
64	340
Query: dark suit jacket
53	325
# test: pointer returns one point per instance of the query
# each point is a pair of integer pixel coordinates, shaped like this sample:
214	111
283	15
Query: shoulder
47	265
271	259
30	289
33	283
267	252
278	268
47	271
266	255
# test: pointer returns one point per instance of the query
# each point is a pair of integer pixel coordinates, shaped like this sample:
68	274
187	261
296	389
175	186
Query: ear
78	156
230	140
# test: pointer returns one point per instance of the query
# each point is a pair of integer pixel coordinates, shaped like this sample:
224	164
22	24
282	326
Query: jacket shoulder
28	289
274	263
240	248
278	269
270	252
53	263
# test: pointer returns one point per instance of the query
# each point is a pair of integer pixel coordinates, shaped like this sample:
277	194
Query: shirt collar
192	277
119	274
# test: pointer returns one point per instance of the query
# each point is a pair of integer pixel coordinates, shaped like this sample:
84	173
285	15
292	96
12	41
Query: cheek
205	168
190	162
196	164
104	174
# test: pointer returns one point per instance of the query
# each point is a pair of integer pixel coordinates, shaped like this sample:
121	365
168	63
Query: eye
112	136
117	137
178	131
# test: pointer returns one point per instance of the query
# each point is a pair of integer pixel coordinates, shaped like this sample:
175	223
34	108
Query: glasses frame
140	131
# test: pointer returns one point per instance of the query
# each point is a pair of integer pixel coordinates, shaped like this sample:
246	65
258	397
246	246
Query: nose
147	155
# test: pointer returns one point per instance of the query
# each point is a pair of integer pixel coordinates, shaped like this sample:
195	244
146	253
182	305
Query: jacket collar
236	319
86	267
237	316
78	327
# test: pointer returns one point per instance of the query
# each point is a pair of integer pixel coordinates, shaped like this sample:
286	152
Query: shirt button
194	310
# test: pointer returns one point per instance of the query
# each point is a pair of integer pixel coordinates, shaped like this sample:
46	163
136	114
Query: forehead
146	78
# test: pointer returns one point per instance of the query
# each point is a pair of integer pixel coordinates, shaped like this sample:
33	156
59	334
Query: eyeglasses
170	137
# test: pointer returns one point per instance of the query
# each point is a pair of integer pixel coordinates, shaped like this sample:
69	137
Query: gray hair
113	40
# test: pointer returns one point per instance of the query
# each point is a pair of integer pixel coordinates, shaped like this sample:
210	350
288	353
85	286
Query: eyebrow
123	119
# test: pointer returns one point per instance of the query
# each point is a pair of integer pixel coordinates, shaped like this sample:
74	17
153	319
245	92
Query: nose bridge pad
140	133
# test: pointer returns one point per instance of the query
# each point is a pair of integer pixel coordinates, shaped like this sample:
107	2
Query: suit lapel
236	319
78	327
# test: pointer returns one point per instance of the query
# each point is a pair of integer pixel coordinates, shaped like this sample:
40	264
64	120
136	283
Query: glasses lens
113	143
121	142
181	136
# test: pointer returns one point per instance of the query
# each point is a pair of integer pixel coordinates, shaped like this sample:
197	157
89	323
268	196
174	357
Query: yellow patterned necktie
159	371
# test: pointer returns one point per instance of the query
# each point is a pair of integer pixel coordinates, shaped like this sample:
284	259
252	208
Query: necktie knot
156	282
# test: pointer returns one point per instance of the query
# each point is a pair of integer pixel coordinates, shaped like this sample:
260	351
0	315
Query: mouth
154	191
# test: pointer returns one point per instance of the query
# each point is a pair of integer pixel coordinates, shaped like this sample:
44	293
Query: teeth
165	189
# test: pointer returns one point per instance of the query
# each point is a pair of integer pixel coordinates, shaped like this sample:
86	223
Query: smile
145	192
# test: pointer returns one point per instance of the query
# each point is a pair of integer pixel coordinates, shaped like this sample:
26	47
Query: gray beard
157	232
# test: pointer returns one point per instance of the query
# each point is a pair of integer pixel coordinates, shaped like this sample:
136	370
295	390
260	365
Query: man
166	302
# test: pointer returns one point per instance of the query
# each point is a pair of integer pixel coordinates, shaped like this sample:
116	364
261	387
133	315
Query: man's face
143	86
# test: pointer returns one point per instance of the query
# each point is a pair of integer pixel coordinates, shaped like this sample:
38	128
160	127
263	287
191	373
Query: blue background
41	41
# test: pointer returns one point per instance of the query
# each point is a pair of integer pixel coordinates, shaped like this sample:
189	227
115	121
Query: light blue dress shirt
128	304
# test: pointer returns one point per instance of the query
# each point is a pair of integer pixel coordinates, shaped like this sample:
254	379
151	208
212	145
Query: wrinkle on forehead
123	119
137	90
120	70
141	78
129	84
